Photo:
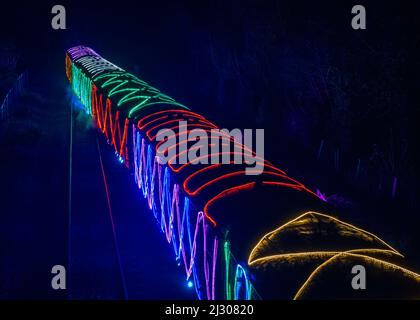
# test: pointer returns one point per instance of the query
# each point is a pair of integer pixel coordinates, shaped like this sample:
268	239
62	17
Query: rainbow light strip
129	112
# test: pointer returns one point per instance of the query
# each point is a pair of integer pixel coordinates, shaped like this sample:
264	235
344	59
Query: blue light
119	158
190	284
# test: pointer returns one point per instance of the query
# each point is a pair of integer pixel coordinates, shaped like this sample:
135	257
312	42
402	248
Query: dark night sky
284	49
283	52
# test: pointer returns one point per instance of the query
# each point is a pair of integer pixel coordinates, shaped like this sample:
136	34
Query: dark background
295	68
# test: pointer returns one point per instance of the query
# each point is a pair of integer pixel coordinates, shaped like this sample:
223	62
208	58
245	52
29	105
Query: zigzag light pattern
114	99
174	213
129	112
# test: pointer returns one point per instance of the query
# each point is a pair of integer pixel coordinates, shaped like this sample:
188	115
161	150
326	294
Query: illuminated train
223	225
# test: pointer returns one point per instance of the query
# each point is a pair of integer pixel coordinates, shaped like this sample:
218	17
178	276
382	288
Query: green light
144	104
82	87
226	251
127	99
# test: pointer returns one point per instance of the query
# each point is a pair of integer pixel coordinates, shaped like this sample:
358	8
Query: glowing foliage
323	232
352	258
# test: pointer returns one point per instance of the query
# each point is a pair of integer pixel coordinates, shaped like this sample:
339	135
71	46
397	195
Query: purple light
81	51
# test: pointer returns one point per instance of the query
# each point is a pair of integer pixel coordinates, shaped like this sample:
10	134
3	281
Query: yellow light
329	255
316	255
383	264
252	257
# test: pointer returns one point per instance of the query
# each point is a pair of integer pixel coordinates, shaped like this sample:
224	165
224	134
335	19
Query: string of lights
185	197
114	99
